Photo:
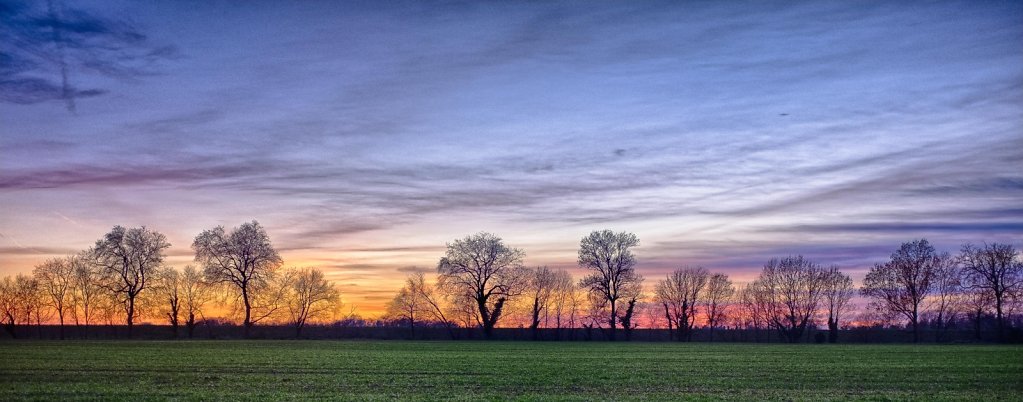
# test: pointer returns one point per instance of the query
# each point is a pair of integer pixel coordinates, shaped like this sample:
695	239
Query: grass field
360	370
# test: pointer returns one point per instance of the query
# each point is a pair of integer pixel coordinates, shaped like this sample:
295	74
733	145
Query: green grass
361	370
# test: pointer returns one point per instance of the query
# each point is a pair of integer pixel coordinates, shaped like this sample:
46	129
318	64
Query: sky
366	135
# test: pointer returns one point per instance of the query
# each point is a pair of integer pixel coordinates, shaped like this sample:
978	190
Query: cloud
37	250
885	227
412	269
48	49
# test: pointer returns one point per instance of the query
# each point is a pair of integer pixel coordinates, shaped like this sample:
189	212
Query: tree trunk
999	319
916	328
976	325
190	325
667	316
9	326
248	311
614	317
832	331
490	318
131	314
534	326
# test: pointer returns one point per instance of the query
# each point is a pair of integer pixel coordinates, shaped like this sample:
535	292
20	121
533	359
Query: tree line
123	276
481	282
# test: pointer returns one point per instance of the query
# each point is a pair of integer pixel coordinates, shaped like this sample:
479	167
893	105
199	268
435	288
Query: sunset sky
365	135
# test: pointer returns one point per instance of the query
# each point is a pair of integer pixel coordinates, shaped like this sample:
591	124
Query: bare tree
196	293
35	303
679	295
947	294
792	288
409	304
169	293
86	290
565	302
753	305
838	291
19	296
901	285
56	278
976	303
128	259
542	288
245	260
310	296
432	305
613	278
486	271
996	269
719	293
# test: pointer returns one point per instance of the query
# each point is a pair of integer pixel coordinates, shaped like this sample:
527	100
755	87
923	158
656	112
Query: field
361	370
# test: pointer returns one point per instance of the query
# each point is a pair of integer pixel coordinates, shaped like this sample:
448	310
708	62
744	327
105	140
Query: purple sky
366	135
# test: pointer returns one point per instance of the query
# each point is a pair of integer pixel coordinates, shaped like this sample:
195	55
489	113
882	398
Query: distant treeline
391	330
483	291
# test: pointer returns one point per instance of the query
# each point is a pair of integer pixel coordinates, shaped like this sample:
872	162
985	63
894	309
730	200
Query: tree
169	291
613	278
719	292
679	295
410	304
791	288
309	297
947	298
56	278
245	260
18	297
901	285
543	285
196	292
431	304
838	291
86	289
128	259
997	270
566	302
753	305
481	268
976	303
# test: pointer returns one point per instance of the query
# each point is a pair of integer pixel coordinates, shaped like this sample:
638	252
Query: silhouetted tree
481	268
566	301
168	288
996	269
753	305
86	291
838	291
613	278
792	288
56	278
718	294
976	303
947	292
901	285
409	304
195	293
128	259
245	260
19	302
542	290
432	304
679	295
310	296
